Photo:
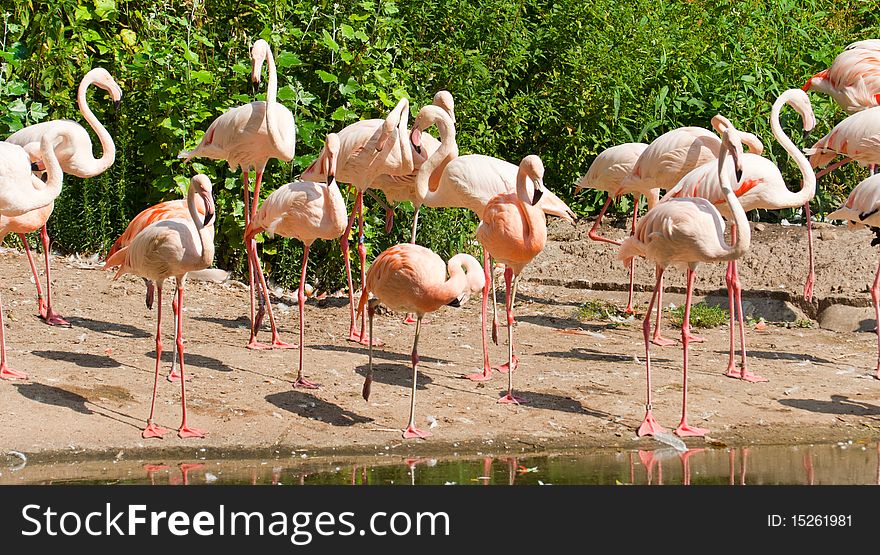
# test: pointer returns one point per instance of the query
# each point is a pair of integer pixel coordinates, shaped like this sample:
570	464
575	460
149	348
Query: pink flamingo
20	192
686	231
247	137
605	174
367	149
307	211
163	211
74	153
513	231
853	80
172	248
856	138
471	181
760	186
861	209
412	278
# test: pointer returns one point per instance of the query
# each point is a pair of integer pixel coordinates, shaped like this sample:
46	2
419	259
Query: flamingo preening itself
853	79
74	151
687	231
172	248
409	277
247	137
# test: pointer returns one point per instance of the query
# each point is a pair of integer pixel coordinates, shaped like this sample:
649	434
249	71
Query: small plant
599	309
702	315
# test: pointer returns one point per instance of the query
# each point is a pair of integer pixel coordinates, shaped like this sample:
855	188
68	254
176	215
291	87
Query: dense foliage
563	79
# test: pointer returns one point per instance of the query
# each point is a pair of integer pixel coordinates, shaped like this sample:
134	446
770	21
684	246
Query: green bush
562	79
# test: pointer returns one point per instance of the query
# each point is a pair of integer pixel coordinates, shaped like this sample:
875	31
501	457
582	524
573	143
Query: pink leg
258	272
684	430
256	203
362	255
508	278
649	425
512	362
255	318
27	250
658	339
486	374
343	243
632	263
6	372
744	372
811	275
52	318
731	461
184	430
301	301
494	303
175	375
875	297
411	432
593	234
152	430
832	167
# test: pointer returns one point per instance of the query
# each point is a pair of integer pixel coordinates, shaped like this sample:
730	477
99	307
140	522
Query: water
840	463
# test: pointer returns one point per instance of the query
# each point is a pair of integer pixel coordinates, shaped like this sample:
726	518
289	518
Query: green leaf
105	8
287	59
349	87
190	56
202	76
286	93
328	41
346	56
347	31
17	107
326	77
129	37
342	113
241	68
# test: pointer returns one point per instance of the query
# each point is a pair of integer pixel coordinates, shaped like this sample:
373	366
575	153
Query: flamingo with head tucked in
411	278
172	248
20	192
853	79
74	152
247	137
687	231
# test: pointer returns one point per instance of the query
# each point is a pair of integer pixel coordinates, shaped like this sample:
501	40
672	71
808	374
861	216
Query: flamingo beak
415	137
456	302
539	192
209	208
35	167
116	104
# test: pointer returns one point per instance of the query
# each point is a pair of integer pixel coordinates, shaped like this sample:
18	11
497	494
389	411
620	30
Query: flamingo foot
278	344
746	375
509	399
54	319
650	426
153	431
174	376
376	341
302	383
808	289
410	320
8	373
696	338
483	376
684	430
411	432
505	368
255	345
662	341
185	432
629	309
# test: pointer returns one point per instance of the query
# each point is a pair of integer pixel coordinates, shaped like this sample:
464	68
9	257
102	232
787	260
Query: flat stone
838	317
771	310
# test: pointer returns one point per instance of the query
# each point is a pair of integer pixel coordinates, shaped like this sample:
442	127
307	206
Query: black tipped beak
331	178
116	104
456	302
209	215
35	167
418	148
537	196
739	175
806	134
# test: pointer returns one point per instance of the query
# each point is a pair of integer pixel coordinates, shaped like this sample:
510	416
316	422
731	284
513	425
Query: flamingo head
444	100
533	168
200	184
798	99
428	116
102	79
818	81
328	165
260	51
731	145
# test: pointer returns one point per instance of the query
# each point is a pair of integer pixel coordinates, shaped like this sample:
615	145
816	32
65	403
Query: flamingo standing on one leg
471	181
686	231
75	156
853	79
247	137
412	278
20	192
172	248
761	185
862	208
513	231
307	211
605	174
367	149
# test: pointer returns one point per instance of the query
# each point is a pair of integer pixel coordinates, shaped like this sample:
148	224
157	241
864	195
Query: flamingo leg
486	374
410	317
343	243
256	319
411	432
511	358
52	318
152	430
256	203
657	339
264	293
684	430
6	372
30	257
744	372
494	303
512	361
649	425
731	465
593	234
632	262
362	255
301	301
368	381
832	167
184	431
811	274
174	375
875	297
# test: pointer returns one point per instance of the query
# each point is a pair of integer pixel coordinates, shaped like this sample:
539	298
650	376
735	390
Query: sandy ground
89	387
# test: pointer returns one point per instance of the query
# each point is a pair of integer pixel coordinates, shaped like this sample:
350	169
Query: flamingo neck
808	184
335	205
206	232
108	148
447	152
465	275
284	143
743	236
